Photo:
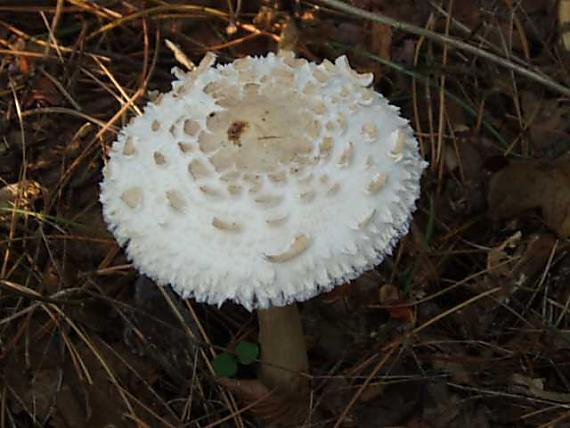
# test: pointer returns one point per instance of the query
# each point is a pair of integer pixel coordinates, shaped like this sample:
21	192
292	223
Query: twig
441	38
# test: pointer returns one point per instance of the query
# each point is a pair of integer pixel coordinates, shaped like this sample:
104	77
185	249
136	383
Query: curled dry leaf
526	185
43	93
546	120
21	195
267	405
535	388
538	249
500	259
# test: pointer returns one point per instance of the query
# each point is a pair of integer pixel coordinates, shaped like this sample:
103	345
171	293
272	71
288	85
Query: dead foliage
526	185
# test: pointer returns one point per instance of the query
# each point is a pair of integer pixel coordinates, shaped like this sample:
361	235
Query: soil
467	324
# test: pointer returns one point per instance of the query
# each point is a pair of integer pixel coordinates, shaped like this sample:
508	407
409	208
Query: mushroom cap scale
264	181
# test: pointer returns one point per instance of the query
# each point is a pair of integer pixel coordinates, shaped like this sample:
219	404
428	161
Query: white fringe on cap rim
295	214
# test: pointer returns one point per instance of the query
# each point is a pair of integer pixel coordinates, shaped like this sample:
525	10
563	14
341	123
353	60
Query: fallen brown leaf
275	410
499	259
390	295
526	185
546	120
538	250
21	194
535	388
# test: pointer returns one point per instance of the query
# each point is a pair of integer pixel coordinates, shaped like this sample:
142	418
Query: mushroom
265	181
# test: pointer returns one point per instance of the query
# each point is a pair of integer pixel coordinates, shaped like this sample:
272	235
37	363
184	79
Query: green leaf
247	352
225	365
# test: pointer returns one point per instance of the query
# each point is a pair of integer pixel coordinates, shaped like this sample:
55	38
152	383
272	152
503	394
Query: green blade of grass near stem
413	74
44	218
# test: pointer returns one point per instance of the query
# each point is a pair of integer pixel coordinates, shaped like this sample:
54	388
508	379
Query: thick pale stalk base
283	349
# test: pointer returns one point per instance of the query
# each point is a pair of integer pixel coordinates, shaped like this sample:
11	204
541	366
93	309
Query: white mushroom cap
264	181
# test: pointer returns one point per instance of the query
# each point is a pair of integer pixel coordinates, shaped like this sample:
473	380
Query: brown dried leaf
499	260
21	194
267	405
99	403
545	119
535	388
44	92
533	184
386	405
36	393
536	254
390	295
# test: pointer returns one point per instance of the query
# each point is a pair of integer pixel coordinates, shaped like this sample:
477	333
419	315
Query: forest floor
467	324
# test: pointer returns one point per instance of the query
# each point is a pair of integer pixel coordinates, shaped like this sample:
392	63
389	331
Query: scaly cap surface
264	181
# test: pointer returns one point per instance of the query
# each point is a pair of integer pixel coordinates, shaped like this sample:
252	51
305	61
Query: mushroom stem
283	350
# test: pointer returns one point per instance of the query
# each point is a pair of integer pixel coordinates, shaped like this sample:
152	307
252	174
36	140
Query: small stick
523	70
